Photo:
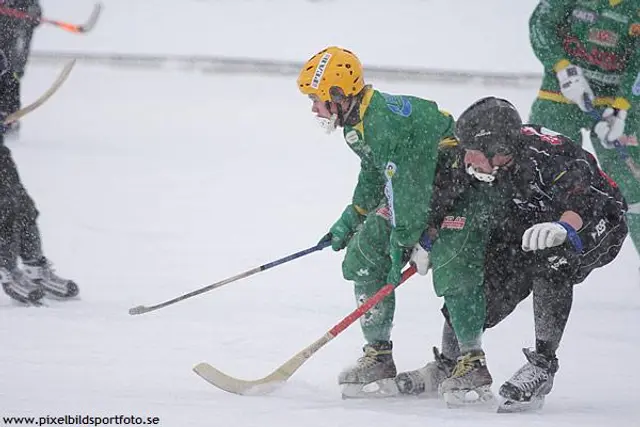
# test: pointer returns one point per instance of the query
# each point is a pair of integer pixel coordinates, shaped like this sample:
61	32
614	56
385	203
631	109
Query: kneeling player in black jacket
557	218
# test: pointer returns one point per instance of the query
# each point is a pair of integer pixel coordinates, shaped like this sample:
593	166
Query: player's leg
367	263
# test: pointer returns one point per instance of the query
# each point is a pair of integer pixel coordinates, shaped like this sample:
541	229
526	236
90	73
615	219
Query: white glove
574	86
544	235
420	259
611	127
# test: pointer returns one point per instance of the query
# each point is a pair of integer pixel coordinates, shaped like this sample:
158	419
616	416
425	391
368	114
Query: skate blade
475	397
375	390
508	406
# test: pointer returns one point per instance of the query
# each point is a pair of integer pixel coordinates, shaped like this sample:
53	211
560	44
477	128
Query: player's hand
344	228
574	86
550	234
420	255
611	127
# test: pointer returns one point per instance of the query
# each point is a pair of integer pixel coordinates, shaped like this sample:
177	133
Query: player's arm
623	118
369	191
545	24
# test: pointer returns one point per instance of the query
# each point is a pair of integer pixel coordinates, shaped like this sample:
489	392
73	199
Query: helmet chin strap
337	119
330	124
481	176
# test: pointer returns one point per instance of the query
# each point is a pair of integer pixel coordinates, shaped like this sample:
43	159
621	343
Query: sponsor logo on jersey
389	171
585	15
556	262
604	78
588	3
352	137
603	37
384	212
399	105
547	135
453	222
317	75
634	29
608	61
615	16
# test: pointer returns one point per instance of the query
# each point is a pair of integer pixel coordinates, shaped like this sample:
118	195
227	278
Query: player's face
319	108
484	164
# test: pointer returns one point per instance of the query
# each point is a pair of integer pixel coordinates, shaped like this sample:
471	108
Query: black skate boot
527	388
40	271
19	287
373	375
426	380
469	383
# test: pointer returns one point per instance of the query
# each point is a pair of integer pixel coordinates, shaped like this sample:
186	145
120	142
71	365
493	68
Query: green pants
567	119
458	257
367	264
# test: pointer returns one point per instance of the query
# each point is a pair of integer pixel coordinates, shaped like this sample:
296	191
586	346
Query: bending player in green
591	56
396	138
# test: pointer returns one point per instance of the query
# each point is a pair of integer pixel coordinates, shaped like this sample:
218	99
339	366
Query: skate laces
370	357
466	364
531	375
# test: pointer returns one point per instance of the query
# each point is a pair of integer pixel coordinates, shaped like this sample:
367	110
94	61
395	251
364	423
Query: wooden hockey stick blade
264	385
44	97
286	370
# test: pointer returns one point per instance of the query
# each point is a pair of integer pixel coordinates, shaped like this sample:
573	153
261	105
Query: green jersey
600	36
397	141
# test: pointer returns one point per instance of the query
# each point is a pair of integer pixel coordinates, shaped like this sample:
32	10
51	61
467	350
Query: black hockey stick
141	309
73	28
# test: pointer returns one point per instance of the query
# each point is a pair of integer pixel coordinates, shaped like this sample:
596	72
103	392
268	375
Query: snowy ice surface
458	34
154	183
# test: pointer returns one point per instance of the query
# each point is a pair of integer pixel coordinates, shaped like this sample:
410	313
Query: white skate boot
527	388
19	287
372	376
41	272
426	380
470	381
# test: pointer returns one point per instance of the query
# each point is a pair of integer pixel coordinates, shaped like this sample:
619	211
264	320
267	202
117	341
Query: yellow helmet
329	68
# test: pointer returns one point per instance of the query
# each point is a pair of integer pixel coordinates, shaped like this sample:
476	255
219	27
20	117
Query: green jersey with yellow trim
397	141
600	36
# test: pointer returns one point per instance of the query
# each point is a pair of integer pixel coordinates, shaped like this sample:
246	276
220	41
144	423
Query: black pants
19	233
511	275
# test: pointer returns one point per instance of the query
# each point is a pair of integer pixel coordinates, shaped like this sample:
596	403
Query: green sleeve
369	190
630	89
544	25
411	186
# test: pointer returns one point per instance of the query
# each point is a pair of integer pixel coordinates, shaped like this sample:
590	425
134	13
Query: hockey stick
44	97
286	370
619	146
141	309
73	28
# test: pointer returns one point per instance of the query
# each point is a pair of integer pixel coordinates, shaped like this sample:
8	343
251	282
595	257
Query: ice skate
19	287
527	388
426	380
41	272
372	376
470	381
